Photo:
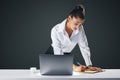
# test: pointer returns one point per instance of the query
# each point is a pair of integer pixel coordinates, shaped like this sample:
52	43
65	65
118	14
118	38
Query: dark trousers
50	51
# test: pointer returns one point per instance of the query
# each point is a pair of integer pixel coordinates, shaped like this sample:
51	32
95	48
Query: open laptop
56	64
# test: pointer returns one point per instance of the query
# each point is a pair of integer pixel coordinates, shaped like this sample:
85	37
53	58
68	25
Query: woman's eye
76	24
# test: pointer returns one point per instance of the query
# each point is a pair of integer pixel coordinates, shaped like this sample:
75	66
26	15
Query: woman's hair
78	11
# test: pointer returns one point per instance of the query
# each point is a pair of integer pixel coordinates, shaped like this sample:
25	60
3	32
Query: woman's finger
100	70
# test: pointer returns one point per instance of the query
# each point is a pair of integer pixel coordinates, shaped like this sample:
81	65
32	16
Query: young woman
67	34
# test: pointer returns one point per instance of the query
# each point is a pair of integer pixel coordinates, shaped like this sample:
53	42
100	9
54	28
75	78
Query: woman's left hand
95	69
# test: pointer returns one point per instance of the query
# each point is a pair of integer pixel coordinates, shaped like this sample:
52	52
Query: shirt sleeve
56	44
83	45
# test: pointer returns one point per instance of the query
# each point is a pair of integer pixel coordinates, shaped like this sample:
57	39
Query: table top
26	73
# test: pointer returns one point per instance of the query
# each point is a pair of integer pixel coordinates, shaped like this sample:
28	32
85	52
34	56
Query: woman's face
75	23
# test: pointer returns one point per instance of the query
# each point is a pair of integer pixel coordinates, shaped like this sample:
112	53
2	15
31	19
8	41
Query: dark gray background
25	27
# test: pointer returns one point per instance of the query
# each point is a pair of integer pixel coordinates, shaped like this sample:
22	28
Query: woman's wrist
89	66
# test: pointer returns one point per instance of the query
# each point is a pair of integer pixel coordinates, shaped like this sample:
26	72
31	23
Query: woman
67	34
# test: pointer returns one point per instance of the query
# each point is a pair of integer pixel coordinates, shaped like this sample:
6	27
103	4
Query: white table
25	74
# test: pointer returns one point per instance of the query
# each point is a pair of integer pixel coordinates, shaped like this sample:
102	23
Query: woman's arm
56	42
83	45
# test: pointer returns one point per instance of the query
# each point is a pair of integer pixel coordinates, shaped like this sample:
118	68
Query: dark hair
78	11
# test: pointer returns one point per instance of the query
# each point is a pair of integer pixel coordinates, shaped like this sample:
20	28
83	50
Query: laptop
56	64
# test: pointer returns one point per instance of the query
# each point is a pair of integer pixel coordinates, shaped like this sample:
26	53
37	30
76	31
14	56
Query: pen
78	63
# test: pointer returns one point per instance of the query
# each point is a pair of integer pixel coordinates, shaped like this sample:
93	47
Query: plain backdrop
25	27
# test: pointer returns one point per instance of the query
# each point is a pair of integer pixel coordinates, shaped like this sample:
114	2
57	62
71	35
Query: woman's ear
69	18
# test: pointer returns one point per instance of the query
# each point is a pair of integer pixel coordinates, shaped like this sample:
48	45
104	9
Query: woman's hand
81	68
95	68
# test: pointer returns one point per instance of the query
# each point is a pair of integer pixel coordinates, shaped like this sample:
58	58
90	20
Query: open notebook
90	71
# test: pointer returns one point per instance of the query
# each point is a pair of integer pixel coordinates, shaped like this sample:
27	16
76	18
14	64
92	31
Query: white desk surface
26	74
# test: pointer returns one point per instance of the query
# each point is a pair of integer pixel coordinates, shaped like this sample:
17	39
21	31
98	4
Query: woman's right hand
81	68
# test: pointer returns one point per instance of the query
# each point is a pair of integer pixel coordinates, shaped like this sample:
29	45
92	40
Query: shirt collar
78	30
62	26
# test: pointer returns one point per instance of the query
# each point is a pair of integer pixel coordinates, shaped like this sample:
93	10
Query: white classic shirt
62	43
